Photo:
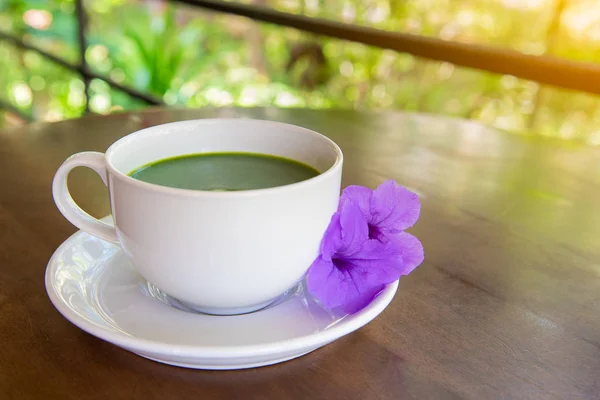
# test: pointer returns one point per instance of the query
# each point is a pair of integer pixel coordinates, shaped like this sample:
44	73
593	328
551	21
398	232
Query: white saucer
93	285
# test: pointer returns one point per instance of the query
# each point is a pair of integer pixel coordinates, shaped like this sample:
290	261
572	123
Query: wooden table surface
505	306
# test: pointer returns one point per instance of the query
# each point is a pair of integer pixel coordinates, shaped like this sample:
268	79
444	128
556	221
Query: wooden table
506	304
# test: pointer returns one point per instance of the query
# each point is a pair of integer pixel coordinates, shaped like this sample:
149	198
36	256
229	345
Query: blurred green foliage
191	57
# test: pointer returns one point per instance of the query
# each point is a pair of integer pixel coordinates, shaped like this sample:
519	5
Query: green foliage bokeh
188	56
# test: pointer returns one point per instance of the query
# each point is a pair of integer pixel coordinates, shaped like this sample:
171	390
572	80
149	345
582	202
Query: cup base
182	305
155	292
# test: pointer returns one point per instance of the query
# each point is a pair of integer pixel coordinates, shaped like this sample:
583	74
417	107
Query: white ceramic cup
216	252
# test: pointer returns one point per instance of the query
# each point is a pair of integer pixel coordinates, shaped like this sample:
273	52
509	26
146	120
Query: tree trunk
551	37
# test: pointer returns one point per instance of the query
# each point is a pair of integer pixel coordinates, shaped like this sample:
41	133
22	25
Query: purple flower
364	248
389	209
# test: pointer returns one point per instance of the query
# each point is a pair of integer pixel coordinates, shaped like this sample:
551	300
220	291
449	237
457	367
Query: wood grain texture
505	306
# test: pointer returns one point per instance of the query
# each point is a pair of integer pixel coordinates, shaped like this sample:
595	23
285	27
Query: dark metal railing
25	116
82	42
82	69
544	69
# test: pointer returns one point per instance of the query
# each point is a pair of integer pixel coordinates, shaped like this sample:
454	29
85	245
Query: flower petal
343	288
378	263
412	251
323	282
394	208
361	300
354	228
332	239
359	195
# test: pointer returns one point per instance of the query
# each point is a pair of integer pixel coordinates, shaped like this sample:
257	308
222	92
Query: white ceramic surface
92	283
219	252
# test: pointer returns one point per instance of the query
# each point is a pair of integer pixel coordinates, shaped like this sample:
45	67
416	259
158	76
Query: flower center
374	232
340	263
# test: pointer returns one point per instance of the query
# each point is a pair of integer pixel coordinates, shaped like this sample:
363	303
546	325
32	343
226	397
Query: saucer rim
348	324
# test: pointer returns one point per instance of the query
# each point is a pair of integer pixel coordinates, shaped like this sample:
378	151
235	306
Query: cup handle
66	204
